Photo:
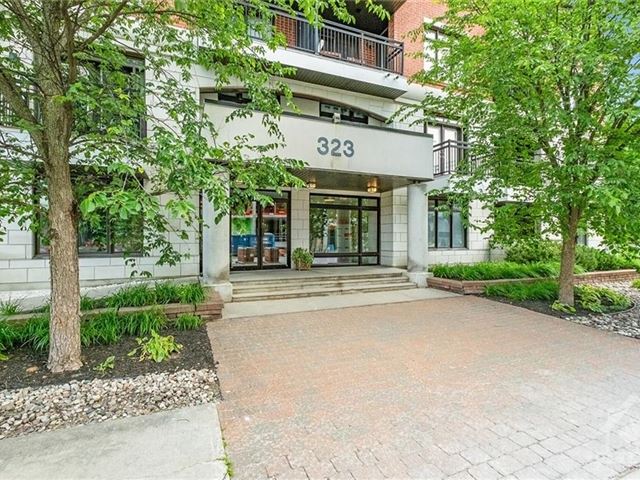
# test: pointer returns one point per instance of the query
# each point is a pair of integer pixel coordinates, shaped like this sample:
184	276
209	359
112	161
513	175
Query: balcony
336	41
452	156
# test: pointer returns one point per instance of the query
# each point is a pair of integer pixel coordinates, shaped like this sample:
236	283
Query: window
433	56
442	132
446	225
130	80
102	235
8	117
241	98
346	114
581	238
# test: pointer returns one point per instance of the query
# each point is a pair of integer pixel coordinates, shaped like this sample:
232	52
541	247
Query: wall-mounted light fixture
372	186
311	184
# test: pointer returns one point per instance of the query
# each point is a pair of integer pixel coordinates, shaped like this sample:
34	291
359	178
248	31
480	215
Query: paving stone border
474	287
28	410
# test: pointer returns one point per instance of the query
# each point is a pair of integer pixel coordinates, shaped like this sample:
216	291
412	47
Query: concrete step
312	276
321	291
259	286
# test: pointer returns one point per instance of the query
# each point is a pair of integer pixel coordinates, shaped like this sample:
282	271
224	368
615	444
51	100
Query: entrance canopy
396	157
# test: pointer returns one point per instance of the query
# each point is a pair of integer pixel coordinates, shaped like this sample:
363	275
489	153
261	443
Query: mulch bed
624	322
540	306
18	370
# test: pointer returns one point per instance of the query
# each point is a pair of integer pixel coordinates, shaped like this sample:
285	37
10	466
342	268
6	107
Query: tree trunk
568	259
64	329
64	325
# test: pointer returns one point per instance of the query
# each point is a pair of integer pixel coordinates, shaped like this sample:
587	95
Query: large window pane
334	230
244	234
333	200
444	230
274	233
369	231
432	228
458	230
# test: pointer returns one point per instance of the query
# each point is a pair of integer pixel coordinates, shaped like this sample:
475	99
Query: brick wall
287	26
408	18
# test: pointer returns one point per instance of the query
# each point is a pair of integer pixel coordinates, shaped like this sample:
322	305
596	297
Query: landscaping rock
624	323
27	410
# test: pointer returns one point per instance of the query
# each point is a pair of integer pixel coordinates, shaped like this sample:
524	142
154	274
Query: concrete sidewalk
177	444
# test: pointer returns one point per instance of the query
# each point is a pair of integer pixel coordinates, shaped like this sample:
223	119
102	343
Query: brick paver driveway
460	388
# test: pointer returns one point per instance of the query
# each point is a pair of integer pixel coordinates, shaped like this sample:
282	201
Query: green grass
588	297
497	270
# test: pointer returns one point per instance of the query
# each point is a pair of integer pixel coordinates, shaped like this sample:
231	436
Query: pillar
417	233
215	251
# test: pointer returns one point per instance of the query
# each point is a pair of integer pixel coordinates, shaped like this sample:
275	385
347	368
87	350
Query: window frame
349	118
109	251
465	229
134	67
432	60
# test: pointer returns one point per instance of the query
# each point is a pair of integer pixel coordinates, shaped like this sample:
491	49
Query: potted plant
302	259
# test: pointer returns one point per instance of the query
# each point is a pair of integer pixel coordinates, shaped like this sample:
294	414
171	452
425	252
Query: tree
67	78
548	94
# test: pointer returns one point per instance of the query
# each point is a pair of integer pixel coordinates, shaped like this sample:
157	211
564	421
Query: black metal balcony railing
453	156
335	40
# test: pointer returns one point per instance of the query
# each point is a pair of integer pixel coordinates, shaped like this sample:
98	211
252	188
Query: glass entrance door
260	235
344	230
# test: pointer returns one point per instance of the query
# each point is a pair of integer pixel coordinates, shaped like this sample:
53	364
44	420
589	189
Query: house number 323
335	147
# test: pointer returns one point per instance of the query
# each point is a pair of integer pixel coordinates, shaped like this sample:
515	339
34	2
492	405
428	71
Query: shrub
102	329
156	348
545	290
496	270
588	297
132	296
35	333
166	292
188	321
9	336
533	251
191	293
558	306
588	258
636	283
601	299
10	307
107	364
143	323
302	258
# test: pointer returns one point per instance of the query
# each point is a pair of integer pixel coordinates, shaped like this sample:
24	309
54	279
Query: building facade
368	176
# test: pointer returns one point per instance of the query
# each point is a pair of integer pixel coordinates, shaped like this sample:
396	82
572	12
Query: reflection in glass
244	234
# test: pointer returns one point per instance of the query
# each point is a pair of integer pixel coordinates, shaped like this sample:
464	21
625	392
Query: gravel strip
625	323
28	410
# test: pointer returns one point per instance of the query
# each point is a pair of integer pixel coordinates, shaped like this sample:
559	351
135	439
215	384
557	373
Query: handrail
335	40
451	156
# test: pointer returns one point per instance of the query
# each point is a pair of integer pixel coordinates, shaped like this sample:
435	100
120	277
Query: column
417	233
215	251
